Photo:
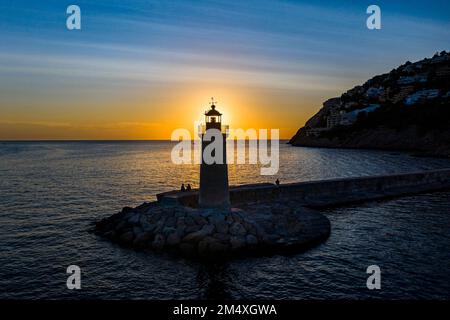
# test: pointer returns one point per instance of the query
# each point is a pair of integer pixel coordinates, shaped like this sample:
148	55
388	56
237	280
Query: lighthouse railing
225	129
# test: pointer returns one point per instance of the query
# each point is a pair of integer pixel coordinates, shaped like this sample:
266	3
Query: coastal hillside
405	109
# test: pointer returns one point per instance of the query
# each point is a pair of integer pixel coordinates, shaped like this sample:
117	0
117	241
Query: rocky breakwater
213	234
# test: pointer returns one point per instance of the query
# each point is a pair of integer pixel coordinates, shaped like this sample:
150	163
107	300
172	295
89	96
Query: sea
51	193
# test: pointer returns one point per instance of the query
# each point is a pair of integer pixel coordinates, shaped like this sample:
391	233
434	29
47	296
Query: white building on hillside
421	96
344	119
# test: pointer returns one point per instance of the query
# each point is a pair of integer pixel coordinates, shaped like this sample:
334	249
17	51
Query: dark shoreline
432	144
411	152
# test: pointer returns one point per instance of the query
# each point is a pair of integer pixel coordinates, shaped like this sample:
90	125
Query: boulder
181	231
168	230
171	221
104	225
210	245
200	220
173	239
237	229
127	237
143	207
216	218
155	217
111	234
134	218
237	242
179	213
206	212
280	230
193	228
203	247
187	249
206	230
251	227
121	225
142	239
217	247
251	240
189	221
127	209
146	225
181	221
161	222
158	242
221	237
259	231
137	230
295	228
221	226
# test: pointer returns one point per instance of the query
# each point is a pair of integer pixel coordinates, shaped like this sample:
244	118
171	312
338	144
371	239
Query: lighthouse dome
213	112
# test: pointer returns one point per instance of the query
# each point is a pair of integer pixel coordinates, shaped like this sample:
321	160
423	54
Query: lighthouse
214	191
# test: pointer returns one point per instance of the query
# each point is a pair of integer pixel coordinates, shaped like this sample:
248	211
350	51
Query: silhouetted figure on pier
277	182
182	187
189	188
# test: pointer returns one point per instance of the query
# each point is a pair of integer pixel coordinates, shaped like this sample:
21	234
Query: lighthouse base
214	191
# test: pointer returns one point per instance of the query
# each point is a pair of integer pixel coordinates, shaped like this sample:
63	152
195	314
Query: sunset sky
140	69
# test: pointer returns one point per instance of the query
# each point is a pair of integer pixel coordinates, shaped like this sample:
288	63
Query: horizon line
111	140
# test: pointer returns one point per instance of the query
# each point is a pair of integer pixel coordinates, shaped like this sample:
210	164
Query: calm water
50	193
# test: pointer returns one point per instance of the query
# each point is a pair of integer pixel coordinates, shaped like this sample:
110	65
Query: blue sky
283	55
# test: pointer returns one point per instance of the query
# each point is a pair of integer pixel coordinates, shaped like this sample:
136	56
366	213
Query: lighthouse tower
214	176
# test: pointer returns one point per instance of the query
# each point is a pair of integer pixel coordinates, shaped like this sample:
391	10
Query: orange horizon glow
152	117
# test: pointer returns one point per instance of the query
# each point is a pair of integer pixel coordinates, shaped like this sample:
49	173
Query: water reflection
213	280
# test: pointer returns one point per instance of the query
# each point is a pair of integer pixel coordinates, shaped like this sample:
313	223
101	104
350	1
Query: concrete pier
330	192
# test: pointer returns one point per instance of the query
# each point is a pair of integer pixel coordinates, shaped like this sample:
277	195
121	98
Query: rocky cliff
405	109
